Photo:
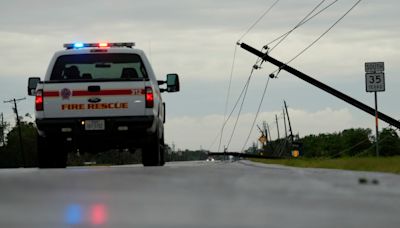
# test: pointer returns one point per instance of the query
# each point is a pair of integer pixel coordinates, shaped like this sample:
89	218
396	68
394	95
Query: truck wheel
49	155
151	153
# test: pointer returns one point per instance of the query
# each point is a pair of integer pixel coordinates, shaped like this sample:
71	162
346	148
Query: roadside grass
381	164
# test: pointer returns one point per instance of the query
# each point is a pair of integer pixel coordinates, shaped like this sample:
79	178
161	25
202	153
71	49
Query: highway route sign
374	76
375	82
374	67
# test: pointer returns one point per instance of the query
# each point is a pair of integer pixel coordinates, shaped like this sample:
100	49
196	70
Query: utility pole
19	126
2	130
277	125
316	83
265	129
284	122
286	136
269	133
290	125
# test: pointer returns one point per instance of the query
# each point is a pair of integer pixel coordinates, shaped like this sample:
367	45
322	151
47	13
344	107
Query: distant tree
349	142
12	156
389	143
322	145
356	141
252	149
3	128
186	155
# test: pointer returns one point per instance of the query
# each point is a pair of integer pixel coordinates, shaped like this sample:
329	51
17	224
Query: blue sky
197	38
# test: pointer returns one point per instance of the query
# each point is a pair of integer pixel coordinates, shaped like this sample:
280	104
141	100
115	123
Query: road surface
198	194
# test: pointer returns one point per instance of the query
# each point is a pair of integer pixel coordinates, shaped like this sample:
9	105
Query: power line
233	109
228	95
230	79
240	110
301	23
232	68
359	143
256	116
322	35
284	36
258	20
297	25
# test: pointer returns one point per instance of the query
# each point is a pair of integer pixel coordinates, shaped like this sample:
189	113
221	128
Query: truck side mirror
172	83
32	84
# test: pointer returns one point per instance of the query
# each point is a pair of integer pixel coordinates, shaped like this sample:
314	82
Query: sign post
375	82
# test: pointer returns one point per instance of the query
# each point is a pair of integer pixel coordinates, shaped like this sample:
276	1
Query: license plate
94	125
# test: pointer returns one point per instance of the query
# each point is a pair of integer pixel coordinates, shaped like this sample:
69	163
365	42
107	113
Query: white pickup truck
99	96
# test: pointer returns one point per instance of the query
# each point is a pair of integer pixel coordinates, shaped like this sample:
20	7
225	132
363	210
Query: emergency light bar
85	45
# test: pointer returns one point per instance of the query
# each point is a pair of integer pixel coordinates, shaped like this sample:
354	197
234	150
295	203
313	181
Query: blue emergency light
78	45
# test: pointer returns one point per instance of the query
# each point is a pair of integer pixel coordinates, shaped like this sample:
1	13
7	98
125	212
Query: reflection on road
77	214
98	214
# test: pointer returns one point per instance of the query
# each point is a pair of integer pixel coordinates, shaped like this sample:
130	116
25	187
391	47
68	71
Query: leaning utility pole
284	123
290	125
266	132
326	88
19	127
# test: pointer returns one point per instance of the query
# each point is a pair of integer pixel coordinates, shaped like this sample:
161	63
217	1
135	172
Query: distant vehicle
210	159
99	96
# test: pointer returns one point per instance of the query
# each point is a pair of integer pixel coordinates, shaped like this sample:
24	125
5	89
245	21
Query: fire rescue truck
96	97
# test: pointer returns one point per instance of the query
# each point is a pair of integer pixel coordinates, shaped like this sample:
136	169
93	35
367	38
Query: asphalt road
197	194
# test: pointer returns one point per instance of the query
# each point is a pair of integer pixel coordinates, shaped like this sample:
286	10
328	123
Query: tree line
347	143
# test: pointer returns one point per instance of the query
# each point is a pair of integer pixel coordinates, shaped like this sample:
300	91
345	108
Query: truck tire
151	153
49	153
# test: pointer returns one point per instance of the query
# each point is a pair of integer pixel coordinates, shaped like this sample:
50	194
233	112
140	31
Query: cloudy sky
196	38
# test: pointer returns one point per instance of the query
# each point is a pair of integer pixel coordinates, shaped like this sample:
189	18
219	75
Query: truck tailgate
94	99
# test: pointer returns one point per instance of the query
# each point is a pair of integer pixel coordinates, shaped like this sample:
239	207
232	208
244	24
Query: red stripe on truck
51	93
109	92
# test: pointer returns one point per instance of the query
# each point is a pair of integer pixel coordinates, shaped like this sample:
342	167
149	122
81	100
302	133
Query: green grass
382	164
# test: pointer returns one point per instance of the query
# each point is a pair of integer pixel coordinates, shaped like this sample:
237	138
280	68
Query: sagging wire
258	20
307	18
233	109
240	110
359	143
227	97
322	35
302	22
230	78
257	113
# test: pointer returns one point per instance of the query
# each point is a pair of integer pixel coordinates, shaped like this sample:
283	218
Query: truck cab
96	97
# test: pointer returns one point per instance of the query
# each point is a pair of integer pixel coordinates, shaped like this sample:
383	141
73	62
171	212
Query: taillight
149	97
39	100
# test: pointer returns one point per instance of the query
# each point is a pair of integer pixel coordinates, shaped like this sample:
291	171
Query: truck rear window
98	67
